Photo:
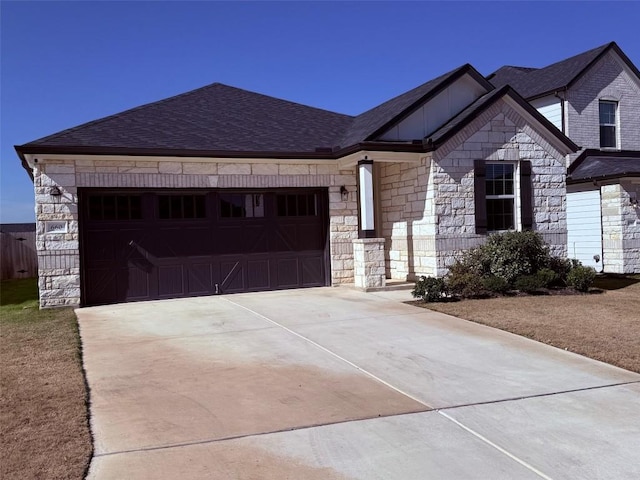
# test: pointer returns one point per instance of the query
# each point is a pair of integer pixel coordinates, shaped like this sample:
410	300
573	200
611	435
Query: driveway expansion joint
335	355
255	434
537	395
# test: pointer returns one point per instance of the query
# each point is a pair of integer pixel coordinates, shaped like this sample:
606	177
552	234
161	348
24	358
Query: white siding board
584	227
436	111
551	108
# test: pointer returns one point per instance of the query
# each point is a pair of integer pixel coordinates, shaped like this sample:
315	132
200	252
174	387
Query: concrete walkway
331	383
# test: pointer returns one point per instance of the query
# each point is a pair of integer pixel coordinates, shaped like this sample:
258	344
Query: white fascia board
31	160
392	157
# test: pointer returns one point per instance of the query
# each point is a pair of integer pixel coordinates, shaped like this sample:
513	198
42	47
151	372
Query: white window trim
615	124
517	216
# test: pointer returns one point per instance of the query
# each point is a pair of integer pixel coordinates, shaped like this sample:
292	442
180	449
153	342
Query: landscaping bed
603	324
43	397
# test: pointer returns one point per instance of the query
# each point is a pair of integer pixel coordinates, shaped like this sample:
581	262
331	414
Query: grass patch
604	327
43	399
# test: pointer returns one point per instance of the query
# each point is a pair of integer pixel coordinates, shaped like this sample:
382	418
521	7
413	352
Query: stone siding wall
607	80
369	258
620	228
407	219
59	254
429	209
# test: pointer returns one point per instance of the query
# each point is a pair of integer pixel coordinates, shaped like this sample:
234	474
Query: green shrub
547	277
430	289
475	261
495	284
514	254
529	283
466	285
581	278
561	267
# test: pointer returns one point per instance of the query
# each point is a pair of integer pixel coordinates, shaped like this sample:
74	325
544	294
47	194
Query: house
221	190
594	98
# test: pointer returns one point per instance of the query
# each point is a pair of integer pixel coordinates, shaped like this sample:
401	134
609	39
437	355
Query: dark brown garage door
146	245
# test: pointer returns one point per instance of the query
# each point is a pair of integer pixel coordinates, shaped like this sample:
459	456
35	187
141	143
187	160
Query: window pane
607	113
189	207
282	205
176	206
499	179
135	204
109	207
292	211
95	208
607	136
500	214
232	206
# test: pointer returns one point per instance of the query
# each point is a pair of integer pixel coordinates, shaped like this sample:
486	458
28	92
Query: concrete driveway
331	383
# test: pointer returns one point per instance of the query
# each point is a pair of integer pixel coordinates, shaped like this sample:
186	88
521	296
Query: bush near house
506	262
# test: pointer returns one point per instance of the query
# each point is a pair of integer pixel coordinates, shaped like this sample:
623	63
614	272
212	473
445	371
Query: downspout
562	99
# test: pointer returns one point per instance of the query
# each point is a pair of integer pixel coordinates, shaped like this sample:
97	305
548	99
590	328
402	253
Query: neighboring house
594	98
222	190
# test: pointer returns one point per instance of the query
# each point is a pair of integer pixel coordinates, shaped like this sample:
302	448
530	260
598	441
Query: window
241	205
115	207
500	196
608	124
297	205
181	206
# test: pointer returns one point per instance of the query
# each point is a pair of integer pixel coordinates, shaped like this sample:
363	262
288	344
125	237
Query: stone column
368	263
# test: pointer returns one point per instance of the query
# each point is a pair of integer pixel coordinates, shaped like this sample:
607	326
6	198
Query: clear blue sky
65	63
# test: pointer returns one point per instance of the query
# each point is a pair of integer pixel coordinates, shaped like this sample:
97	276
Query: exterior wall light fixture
344	192
55	191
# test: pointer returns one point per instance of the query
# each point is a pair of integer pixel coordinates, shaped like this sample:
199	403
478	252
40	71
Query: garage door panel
258	275
200	278
288	274
133	284
100	286
152	253
103	245
232	273
312	270
171	281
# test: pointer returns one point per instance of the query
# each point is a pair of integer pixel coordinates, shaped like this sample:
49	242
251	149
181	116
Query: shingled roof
212	118
219	119
602	165
536	82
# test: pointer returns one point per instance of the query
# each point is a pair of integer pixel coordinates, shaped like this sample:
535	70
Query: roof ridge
172	98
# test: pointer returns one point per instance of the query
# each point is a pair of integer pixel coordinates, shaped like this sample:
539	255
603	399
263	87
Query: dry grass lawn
604	325
43	410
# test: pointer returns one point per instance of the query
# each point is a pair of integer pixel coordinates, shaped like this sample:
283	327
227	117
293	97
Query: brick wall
59	255
606	80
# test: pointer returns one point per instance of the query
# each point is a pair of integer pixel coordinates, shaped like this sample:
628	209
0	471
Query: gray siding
607	80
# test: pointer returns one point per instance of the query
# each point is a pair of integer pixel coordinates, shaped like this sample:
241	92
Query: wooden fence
18	258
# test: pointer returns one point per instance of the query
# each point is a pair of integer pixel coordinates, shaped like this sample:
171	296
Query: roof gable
456	124
533	83
372	123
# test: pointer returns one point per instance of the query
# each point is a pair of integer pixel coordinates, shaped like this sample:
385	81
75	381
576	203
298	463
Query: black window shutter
479	189
526	195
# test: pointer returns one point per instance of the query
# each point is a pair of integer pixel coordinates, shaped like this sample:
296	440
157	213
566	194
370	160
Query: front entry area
146	245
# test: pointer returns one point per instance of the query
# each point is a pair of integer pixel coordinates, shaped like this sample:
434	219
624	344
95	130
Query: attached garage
155	244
